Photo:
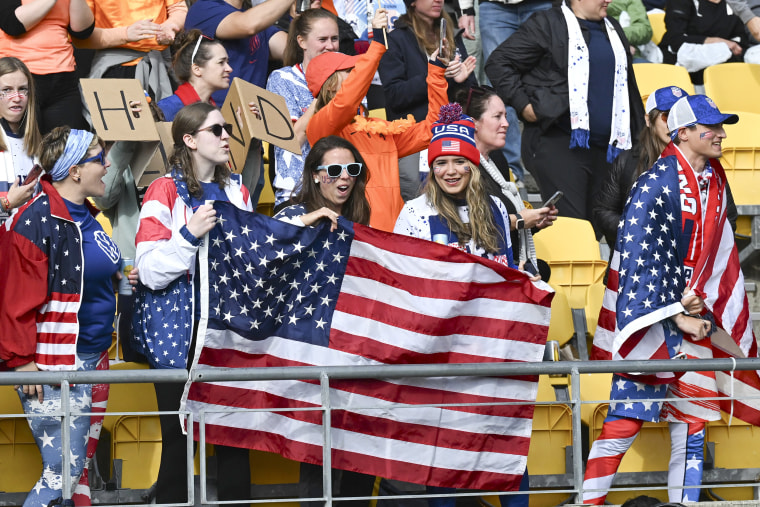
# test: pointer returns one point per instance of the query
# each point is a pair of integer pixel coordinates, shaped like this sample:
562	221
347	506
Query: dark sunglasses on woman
216	129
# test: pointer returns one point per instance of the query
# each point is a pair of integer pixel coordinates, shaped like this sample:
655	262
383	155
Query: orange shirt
374	138
122	13
46	48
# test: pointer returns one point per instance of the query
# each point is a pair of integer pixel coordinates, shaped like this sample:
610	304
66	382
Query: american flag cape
282	295
646	282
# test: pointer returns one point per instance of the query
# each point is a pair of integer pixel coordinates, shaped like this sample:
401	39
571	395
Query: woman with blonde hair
455	209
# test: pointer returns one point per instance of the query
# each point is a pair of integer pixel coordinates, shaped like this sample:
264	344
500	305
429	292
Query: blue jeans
497	22
506	501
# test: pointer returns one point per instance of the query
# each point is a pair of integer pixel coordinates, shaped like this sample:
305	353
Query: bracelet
5	203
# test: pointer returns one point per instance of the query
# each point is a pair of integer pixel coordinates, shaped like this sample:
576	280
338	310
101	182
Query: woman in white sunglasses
333	184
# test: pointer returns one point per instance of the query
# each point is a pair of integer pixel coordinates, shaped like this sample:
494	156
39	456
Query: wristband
5	204
520	223
470	11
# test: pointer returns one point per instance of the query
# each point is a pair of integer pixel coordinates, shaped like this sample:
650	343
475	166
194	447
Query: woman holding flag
663	302
173	221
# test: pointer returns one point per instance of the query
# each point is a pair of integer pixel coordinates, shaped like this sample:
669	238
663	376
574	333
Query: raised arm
238	25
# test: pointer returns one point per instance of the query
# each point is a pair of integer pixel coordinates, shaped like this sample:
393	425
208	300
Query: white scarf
577	82
526	250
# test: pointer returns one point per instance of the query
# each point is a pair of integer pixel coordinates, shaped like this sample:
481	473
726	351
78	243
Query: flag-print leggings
687	442
85	432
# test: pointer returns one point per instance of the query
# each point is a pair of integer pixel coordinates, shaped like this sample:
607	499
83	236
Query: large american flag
646	281
282	295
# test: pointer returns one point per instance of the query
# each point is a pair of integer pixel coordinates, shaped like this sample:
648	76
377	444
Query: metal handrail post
202	450
190	464
575	387
324	382
66	438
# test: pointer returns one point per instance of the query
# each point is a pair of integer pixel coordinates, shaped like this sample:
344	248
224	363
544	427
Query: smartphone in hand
442	53
553	199
33	174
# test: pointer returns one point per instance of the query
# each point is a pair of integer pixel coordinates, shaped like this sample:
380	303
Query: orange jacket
380	142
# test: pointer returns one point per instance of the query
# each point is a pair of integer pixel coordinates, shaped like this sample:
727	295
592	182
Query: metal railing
574	369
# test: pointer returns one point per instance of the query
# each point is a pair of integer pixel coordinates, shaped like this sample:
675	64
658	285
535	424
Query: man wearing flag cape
675	289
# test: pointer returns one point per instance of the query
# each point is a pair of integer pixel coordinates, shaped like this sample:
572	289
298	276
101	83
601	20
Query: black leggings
233	468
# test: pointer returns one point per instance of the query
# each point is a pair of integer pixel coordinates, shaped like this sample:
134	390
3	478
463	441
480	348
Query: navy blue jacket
403	71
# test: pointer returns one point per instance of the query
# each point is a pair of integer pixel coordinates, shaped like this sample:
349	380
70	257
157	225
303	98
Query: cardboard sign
274	126
151	159
108	102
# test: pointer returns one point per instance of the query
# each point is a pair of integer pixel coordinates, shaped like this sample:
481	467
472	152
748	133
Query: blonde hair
482	226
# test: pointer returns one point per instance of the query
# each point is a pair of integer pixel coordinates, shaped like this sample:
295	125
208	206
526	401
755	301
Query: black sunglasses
216	129
100	158
335	170
476	91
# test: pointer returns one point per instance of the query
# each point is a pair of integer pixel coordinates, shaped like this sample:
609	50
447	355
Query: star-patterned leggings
47	433
687	441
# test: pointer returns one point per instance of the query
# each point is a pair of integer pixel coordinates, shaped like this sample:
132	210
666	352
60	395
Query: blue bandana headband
76	148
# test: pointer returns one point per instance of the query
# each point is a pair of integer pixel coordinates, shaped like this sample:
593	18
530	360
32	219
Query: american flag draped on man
281	295
649	271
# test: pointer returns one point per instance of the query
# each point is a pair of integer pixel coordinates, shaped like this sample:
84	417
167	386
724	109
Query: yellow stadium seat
735	446
657	20
741	157
650	452
20	462
378	113
265	206
572	251
653	76
595	387
734	86
561	323
136	441
594	299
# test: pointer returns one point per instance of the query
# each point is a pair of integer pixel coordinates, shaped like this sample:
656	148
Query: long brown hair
426	44
356	208
187	121
482	226
31	131
649	143
301	26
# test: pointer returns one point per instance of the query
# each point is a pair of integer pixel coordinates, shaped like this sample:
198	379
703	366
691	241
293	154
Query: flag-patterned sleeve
165	249
24	272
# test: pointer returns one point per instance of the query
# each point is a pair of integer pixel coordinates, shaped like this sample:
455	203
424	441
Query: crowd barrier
561	487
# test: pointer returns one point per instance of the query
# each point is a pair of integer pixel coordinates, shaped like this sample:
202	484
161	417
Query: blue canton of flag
285	286
635	399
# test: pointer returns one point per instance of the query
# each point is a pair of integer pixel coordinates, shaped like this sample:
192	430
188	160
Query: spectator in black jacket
403	71
692	25
570	139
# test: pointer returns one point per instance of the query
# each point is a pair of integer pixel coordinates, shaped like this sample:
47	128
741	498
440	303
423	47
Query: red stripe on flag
383	467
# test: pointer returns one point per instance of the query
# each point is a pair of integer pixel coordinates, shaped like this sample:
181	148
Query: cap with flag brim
689	111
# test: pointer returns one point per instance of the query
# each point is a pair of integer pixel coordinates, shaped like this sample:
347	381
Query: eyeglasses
100	158
10	94
353	169
479	90
197	46
216	129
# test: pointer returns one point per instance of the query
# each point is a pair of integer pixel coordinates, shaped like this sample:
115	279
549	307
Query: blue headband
76	148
